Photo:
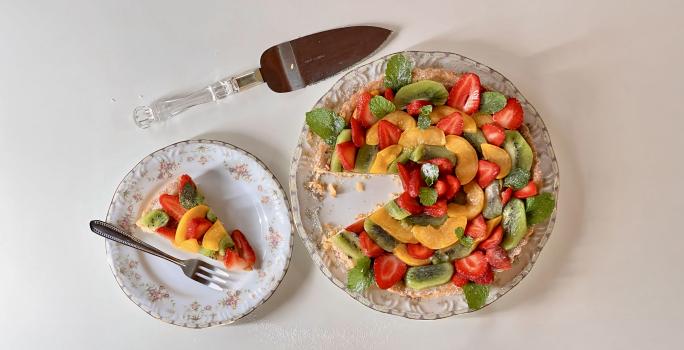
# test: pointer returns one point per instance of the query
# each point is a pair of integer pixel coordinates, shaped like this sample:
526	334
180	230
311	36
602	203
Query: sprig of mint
325	123
381	106
492	102
463	240
424	120
430	173
428	196
398	72
476	295
360	276
539	208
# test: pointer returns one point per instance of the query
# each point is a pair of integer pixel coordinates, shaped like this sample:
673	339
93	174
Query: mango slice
482	119
403	255
473	207
498	156
189	245
466	167
214	235
469	124
399	118
384	158
395	228
440	237
413	137
440	112
199	211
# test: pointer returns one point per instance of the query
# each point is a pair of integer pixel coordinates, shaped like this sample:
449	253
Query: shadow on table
556	268
300	264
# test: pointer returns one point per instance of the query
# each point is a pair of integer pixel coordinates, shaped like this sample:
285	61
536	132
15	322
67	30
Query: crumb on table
332	190
360	187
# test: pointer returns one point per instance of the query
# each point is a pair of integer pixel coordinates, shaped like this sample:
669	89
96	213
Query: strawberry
243	248
171	205
494	134
414	183
441	187
528	191
419	251
476	228
358	132
465	95
388	134
414	107
454	186
408	203
472	266
404	175
197	227
389	94
506	195
486	278
185	179
452	124
459	280
438	209
363	110
234	262
511	116
388	270
166	231
486	172
368	246
356	227
493	240
346	152
498	258
445	165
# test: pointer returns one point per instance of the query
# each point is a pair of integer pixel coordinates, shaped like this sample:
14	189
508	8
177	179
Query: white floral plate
244	194
313	214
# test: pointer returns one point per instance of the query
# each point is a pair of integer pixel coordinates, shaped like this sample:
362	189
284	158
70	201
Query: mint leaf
465	241
424	120
492	102
381	106
325	123
360	276
428	196
398	72
517	178
430	173
539	208
476	295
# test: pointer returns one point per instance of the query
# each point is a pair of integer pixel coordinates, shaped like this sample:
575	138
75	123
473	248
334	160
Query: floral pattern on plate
235	184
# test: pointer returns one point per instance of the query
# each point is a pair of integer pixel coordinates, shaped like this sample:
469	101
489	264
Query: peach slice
399	118
440	112
482	119
384	158
466	167
189	245
469	124
403	255
474	202
401	232
498	156
199	211
214	235
413	137
440	237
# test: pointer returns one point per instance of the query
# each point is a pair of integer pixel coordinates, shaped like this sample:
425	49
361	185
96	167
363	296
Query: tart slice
182	216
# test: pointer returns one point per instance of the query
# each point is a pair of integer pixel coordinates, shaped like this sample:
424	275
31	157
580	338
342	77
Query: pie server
285	67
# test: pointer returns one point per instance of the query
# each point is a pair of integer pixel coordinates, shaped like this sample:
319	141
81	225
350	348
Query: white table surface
605	76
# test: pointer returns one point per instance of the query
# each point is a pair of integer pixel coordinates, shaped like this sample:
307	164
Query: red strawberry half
363	110
528	191
486	173
368	246
454	186
445	165
451	125
476	228
511	116
358	132
388	134
419	251
408	203
498	258
346	152
389	94
493	240
506	195
472	266
388	270
414	107
465	95
438	209
459	280
493	133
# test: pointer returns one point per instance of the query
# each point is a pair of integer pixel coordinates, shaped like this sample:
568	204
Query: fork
209	275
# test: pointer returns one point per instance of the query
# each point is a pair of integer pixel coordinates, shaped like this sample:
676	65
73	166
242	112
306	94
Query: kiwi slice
428	90
514	223
155	219
519	150
348	243
380	236
364	158
493	206
395	211
422	277
423	153
402	158
476	139
424	220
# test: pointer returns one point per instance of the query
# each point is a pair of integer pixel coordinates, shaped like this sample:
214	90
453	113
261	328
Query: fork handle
118	235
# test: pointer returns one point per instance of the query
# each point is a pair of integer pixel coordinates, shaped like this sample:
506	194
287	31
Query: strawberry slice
465	95
452	124
408	203
494	134
363	110
197	227
445	165
346	152
171	205
511	116
459	280
528	191
388	270
356	227
506	195
485	279
243	249
419	251
498	258
441	187
234	262
472	266
438	209
368	246
476	228
388	134
404	175
486	173
166	231
454	186
389	94
358	132
493	240
414	107
414	183
185	179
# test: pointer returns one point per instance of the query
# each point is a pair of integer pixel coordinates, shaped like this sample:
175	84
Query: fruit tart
469	176
181	215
